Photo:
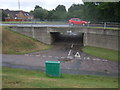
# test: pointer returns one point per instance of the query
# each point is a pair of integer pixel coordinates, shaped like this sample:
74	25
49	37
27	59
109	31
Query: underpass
68	37
103	38
68	51
67	44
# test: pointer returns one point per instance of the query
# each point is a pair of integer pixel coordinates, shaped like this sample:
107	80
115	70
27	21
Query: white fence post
105	25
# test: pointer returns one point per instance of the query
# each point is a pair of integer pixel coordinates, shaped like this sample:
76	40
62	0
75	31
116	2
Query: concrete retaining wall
104	38
39	34
103	41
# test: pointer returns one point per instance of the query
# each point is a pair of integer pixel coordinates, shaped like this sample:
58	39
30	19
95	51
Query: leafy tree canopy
40	13
60	8
90	11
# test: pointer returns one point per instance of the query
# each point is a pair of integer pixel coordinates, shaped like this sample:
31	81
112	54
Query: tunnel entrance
69	37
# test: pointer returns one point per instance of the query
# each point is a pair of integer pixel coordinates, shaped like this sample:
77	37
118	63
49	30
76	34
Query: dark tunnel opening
76	37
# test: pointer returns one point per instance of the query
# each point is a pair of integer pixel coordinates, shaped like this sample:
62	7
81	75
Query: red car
77	21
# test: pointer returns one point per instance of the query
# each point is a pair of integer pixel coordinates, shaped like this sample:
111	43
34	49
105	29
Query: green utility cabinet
53	68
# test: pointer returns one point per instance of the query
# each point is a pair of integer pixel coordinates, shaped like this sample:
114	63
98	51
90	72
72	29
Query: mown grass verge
102	53
113	28
20	78
15	43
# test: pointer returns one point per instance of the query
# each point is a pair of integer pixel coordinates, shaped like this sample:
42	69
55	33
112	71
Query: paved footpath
83	64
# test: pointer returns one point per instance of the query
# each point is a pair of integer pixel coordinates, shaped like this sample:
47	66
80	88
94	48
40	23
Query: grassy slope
19	78
14	43
113	28
0	39
102	53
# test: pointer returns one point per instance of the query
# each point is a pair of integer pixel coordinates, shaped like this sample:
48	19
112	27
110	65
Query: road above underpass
37	25
57	25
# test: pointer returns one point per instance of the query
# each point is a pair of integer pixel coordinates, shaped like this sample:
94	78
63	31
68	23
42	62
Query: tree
117	11
40	13
61	8
50	15
37	6
76	10
75	7
90	11
4	15
60	12
108	11
31	12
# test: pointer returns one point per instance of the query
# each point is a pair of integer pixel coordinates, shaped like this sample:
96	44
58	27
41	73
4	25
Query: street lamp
18	4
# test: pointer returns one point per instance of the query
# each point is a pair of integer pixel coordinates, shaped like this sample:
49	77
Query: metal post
88	23
104	25
18	4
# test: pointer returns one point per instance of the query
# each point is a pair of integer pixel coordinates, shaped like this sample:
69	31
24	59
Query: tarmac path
73	61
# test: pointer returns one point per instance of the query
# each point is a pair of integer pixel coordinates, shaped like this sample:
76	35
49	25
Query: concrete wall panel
104	38
103	41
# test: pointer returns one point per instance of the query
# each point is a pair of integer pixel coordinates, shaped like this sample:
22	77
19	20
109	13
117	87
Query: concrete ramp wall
37	33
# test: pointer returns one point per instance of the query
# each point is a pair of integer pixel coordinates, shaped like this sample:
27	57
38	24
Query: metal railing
105	24
96	24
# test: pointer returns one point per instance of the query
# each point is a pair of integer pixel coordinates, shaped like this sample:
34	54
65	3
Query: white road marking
69	53
72	46
26	54
96	59
49	56
70	57
56	57
88	58
77	55
84	57
105	60
37	55
43	56
62	57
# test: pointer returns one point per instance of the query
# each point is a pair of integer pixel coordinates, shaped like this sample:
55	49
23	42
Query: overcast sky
28	5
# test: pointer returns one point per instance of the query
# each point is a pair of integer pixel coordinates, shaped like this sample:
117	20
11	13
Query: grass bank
15	43
112	28
102	53
19	78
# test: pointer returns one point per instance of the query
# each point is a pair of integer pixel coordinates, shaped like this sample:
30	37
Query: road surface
37	25
57	25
